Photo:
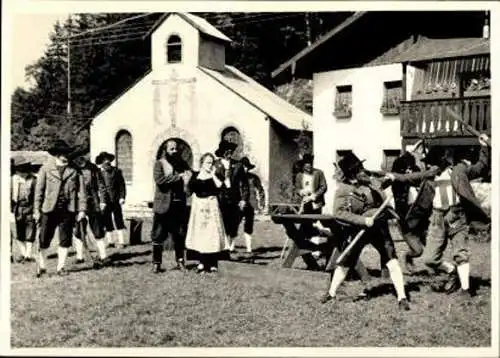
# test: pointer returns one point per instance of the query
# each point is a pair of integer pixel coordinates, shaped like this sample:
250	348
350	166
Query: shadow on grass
263	250
122	256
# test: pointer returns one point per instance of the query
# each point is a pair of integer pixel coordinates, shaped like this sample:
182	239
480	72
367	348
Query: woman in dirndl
205	233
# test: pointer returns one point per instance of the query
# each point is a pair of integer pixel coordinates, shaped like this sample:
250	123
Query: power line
111	25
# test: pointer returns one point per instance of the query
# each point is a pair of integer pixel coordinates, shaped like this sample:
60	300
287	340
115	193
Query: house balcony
431	119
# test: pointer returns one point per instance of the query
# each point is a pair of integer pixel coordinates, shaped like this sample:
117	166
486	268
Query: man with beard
234	193
355	202
96	204
171	174
116	191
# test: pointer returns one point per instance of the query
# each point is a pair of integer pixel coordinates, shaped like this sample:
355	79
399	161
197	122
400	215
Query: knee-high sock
29	248
42	257
397	278
338	277
248	242
463	275
109	237
78	248
101	248
62	253
232	243
120	236
22	247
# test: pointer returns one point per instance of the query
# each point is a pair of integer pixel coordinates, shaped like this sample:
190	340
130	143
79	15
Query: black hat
435	156
60	147
464	152
350	163
308	158
225	145
403	162
246	163
104	156
22	164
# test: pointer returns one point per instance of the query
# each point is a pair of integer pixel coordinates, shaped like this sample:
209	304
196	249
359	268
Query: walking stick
466	125
356	239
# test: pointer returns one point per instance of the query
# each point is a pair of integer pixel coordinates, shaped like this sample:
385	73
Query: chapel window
123	148
174	49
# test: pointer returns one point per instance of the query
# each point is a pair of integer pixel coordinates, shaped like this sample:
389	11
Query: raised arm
161	178
477	169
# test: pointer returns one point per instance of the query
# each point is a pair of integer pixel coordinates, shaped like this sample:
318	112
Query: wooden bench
304	248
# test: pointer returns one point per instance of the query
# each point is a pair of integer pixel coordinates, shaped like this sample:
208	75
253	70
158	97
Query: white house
370	85
192	95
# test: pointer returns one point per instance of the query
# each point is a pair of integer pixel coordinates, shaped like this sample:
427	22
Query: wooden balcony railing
430	118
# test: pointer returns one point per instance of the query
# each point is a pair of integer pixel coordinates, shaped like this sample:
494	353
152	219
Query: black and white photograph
250	178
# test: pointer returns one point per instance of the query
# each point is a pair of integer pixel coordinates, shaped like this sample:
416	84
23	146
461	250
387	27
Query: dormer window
174	49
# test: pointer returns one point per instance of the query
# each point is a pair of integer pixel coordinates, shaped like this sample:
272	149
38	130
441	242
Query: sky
30	36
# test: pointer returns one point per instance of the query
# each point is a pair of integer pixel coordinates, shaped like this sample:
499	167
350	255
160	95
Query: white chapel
192	95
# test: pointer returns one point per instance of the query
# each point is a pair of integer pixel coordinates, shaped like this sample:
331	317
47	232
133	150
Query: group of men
170	206
434	204
68	193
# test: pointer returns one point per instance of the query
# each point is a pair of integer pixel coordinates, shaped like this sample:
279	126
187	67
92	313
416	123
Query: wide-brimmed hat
403	162
101	157
435	156
225	145
246	163
22	163
350	163
60	147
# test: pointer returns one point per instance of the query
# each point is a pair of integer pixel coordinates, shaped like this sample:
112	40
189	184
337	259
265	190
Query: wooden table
301	246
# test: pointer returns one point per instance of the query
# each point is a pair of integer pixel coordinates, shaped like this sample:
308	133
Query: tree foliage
104	64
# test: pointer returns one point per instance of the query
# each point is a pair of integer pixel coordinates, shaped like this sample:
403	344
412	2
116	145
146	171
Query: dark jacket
167	182
461	176
22	208
95	188
239	189
114	183
319	185
352	203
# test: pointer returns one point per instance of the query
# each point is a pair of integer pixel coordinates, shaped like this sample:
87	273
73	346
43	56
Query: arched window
123	149
174	49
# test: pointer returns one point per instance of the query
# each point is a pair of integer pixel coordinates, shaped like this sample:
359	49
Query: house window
123	149
174	49
343	102
393	92
390	155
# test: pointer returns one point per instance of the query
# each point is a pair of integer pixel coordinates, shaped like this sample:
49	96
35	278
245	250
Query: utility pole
68	44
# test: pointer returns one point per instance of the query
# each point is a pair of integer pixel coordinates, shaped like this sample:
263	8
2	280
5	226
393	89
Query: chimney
486	27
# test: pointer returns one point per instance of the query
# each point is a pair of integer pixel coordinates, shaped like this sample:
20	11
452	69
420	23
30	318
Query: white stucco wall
174	24
368	133
201	115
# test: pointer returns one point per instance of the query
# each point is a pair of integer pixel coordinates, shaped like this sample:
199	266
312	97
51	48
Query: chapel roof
197	22
260	97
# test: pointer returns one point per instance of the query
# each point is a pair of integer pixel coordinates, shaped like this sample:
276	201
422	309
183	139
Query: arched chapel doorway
182	146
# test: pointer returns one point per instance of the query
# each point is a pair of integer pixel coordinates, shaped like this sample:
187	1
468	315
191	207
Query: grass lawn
259	305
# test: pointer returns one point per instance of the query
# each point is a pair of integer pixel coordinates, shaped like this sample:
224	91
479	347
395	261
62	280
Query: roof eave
292	63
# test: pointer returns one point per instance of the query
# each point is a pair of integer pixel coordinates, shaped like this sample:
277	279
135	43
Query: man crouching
355	202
